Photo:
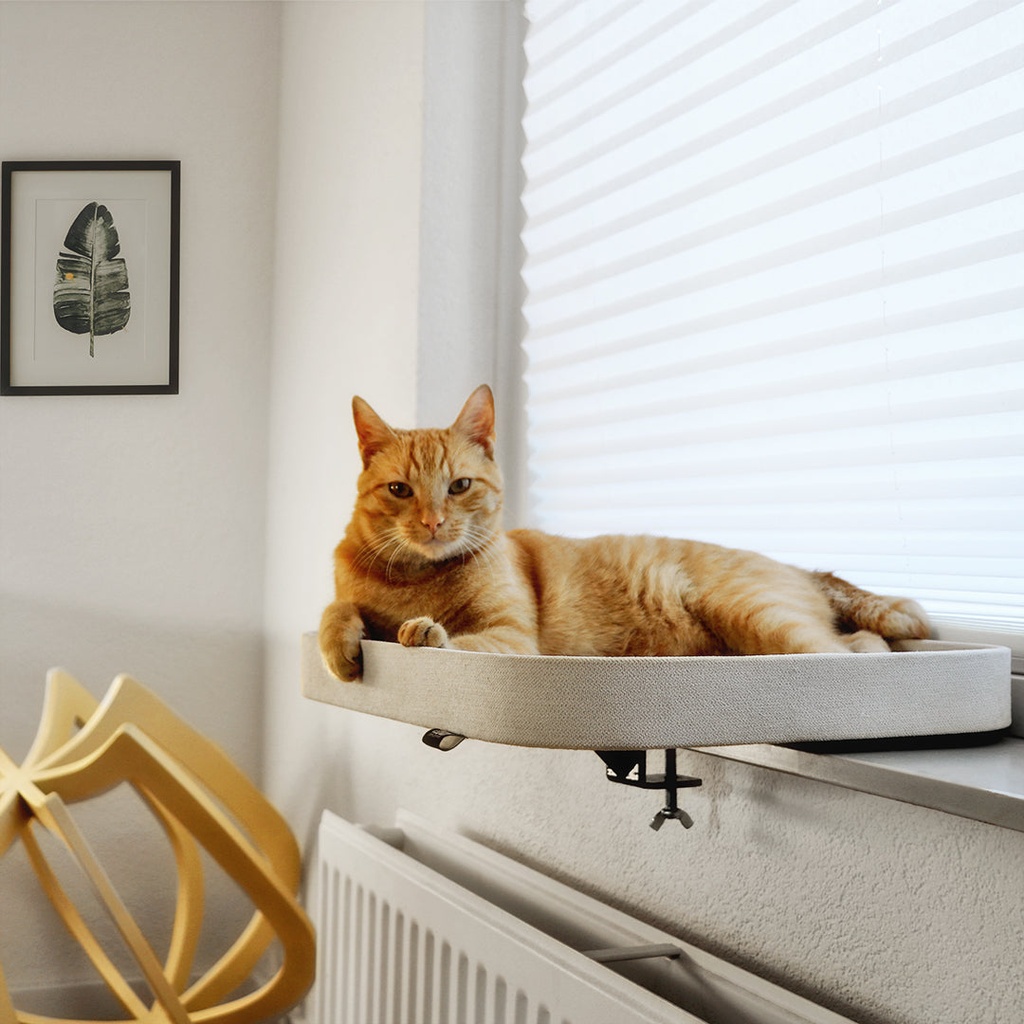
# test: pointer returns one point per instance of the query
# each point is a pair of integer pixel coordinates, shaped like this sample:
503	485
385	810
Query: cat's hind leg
759	606
774	623
895	618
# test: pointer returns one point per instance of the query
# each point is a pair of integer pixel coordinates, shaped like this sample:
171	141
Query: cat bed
925	688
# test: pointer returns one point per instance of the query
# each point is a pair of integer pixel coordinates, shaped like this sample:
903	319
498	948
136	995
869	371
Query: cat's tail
895	618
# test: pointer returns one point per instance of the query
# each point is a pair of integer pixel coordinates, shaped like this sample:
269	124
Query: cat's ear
476	421
372	431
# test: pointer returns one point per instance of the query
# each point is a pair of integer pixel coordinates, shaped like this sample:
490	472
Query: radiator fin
378	966
400	944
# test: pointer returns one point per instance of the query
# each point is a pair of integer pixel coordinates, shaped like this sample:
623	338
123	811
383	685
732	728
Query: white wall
887	912
132	528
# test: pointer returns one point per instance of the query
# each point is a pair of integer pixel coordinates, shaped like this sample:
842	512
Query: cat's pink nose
432	522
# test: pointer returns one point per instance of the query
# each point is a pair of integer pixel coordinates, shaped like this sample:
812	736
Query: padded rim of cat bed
927	688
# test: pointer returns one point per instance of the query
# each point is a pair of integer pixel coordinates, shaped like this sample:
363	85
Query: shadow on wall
212	678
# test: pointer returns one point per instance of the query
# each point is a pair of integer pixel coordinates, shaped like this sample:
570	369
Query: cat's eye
400	489
460	486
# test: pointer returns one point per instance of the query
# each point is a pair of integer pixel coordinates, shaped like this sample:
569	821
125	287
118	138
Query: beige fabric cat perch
927	688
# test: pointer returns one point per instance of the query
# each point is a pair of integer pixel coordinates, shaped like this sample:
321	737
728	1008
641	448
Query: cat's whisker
368	553
379	546
479	546
401	545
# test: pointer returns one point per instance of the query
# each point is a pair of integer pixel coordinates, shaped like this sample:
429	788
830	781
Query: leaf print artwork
90	294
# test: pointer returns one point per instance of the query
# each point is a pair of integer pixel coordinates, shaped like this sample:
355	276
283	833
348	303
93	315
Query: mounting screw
669	812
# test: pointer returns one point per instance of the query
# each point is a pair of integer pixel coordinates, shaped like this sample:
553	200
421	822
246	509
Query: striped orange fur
425	561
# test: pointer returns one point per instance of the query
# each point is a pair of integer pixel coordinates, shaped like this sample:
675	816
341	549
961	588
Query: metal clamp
629	768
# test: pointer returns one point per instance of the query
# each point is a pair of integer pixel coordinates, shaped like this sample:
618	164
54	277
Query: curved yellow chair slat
80	930
129	701
7	1012
200	798
67	707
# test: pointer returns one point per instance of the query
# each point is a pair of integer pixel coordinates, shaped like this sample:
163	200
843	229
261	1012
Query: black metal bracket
625	767
442	739
629	768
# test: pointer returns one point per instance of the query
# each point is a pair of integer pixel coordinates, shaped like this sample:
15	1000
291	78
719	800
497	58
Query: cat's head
428	495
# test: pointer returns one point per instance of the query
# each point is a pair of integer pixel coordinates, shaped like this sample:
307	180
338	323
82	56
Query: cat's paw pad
422	632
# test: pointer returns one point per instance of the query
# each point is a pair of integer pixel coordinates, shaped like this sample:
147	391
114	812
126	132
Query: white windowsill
983	783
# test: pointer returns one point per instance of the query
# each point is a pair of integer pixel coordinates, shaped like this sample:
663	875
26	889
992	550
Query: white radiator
421	926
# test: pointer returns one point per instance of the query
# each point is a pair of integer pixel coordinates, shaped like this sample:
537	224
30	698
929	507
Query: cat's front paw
341	630
422	632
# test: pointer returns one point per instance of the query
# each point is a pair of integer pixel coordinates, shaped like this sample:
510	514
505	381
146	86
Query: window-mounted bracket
625	767
629	768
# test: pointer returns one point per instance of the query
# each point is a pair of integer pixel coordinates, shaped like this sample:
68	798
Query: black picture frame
89	277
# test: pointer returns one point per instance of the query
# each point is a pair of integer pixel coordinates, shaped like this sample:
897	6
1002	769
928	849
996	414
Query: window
774	275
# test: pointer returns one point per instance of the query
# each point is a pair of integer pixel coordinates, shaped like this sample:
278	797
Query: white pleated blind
775	280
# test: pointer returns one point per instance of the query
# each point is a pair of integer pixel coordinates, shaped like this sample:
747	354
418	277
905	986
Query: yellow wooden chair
201	799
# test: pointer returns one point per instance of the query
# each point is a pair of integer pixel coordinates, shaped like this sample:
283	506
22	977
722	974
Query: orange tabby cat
425	561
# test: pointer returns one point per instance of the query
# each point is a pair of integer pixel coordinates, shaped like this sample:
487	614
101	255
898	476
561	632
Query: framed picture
89	278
